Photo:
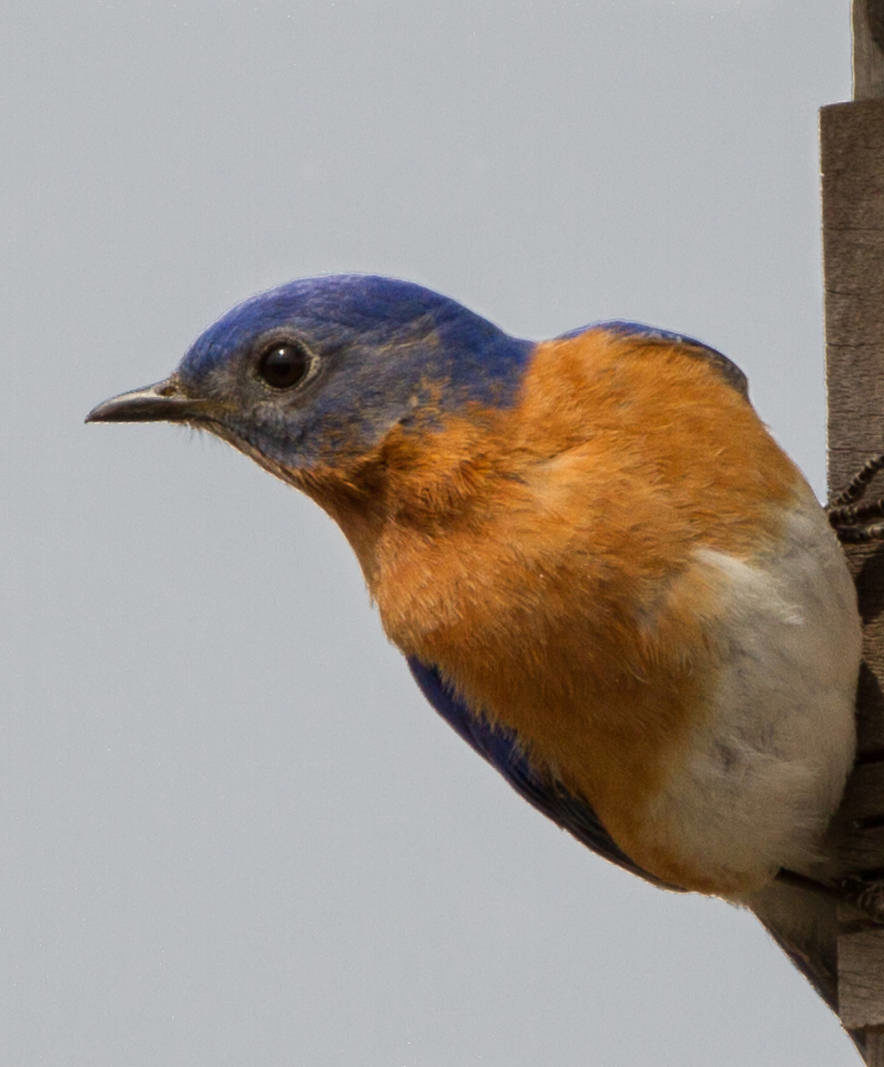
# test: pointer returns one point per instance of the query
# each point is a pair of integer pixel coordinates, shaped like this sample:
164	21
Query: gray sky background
231	831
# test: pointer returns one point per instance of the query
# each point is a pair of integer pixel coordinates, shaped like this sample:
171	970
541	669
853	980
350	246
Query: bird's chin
291	476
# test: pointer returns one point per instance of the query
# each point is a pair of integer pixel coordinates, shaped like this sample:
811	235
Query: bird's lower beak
163	401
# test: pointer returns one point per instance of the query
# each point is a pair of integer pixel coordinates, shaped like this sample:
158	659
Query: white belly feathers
766	772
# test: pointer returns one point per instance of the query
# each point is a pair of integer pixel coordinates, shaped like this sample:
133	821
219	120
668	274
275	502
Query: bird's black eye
284	364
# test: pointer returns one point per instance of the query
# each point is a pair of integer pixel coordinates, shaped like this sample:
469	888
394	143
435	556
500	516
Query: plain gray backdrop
232	831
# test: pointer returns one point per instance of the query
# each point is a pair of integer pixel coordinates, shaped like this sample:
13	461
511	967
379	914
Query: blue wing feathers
499	746
718	360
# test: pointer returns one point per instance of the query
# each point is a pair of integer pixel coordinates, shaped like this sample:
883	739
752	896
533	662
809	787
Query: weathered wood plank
852	137
861	978
852	152
868	49
875	1047
861	850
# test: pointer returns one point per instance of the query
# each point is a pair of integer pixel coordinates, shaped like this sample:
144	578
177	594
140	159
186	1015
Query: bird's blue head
317	372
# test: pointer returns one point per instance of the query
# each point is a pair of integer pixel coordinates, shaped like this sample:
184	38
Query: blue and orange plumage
603	571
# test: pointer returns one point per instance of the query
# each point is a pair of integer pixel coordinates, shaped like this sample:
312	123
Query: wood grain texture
861	978
852	137
853	243
868	48
875	1047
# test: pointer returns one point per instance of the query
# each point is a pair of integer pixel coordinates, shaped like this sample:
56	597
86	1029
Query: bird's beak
163	401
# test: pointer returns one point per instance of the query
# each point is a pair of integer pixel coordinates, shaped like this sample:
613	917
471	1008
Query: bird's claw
852	520
866	896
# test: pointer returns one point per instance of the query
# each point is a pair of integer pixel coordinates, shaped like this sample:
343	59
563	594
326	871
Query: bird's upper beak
162	401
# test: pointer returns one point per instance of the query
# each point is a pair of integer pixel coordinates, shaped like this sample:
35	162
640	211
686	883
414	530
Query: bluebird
603	571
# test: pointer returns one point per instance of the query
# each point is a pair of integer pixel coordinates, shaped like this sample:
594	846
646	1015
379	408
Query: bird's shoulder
650	337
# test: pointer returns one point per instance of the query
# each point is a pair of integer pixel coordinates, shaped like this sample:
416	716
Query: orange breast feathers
544	558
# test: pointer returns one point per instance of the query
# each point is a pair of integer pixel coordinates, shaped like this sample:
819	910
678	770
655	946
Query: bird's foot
852	520
865	896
